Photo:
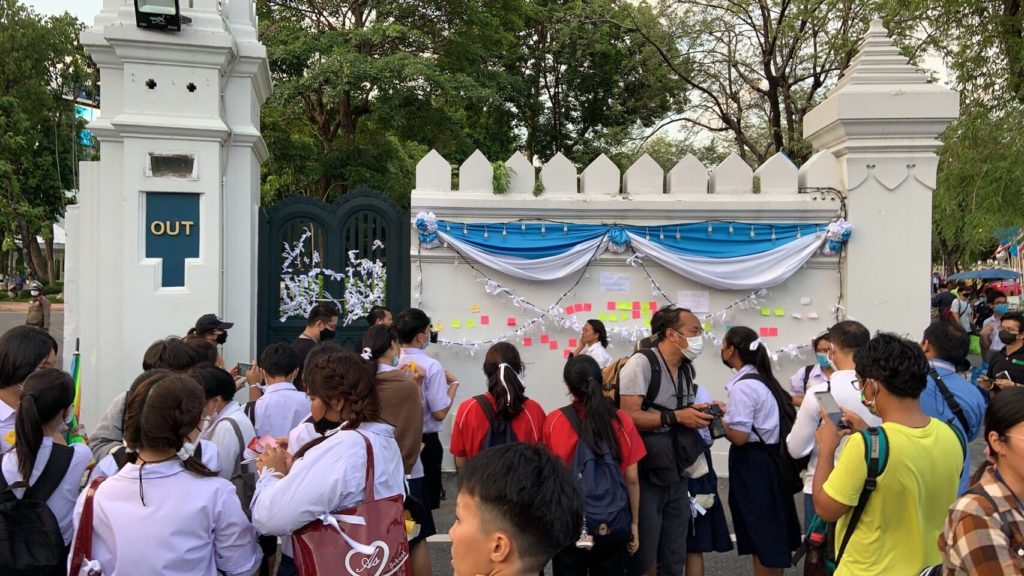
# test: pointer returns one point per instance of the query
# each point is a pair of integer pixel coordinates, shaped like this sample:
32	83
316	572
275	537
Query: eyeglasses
858	383
1017	436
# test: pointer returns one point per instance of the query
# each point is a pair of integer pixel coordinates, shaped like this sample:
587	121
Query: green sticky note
612	318
707	326
602	317
470	324
623	305
647	323
625	315
780	312
766	311
456	323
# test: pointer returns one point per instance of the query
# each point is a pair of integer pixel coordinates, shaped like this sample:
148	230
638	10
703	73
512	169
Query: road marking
442	538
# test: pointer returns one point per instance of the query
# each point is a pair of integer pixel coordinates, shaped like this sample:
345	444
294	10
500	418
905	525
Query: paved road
440	550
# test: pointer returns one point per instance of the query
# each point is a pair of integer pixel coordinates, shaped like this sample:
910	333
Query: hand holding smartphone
831	407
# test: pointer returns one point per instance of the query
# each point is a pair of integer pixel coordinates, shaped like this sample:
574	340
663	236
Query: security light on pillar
159	15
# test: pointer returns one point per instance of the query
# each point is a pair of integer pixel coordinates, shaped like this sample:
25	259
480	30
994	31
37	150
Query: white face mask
694	346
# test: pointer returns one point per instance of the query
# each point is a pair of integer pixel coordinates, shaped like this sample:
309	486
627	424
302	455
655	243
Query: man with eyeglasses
846	338
667	420
898	528
1010	360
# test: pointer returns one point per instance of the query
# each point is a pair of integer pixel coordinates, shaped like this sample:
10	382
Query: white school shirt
62	501
434	390
280	409
752	407
329	477
189	526
7	415
997	344
796	381
598	353
800	441
223	435
208	456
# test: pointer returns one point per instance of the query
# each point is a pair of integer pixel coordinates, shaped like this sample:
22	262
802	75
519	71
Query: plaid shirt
981	540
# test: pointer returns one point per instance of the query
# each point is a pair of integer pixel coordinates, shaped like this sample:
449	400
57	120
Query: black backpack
605	498
789	468
499	432
31	543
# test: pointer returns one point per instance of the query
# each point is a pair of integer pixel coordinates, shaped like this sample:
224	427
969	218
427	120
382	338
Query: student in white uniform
119	455
23	350
281	407
328	474
45	407
594	343
227	427
167	513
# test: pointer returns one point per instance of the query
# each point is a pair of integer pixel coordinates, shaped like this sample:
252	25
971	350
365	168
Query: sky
85	10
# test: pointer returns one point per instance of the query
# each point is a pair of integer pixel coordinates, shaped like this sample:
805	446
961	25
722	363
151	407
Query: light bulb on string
447	227
661	233
465	230
523	227
773	234
543	229
647	233
565	228
503	231
730	227
677	233
797	231
710	229
486	235
752	232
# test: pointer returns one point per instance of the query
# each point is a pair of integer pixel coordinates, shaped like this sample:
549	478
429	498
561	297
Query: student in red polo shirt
506	396
602	425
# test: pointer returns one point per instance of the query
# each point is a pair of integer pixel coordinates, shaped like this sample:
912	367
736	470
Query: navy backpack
605	499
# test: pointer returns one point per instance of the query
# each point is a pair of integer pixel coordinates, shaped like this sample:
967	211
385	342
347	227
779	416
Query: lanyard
999	477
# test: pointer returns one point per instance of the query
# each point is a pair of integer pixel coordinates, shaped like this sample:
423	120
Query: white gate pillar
882	121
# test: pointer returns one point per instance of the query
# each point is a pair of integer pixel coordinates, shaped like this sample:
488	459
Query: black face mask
222	337
1007	337
326	334
323	425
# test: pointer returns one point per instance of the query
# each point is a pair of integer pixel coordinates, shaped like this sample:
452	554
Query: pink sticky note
485	320
573	308
544	338
765	331
636	304
527	342
511	321
636	314
565	353
653	306
586	307
773	331
611	305
553	344
572	343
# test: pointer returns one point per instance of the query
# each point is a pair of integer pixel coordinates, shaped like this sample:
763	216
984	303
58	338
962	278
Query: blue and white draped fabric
726	255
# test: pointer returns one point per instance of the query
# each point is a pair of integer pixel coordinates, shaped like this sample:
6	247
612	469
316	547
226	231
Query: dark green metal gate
352	222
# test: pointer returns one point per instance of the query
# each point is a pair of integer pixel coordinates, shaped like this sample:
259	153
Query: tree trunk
48	254
27	240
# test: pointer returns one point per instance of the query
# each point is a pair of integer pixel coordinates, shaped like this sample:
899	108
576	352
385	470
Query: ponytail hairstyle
583	377
753	352
45	395
379	339
339	374
1005	411
502	366
160	415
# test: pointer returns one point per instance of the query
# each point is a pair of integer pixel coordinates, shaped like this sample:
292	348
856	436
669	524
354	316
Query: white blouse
223	435
189	526
329	477
209	457
598	353
62	502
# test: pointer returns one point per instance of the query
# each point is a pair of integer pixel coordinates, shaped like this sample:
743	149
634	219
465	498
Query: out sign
172	233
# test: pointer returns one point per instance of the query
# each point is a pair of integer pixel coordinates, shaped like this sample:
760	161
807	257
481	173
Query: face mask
425	344
324	425
725	361
394	361
34	292
822	359
1002	308
694	346
869	404
187	450
326	334
222	337
1007	337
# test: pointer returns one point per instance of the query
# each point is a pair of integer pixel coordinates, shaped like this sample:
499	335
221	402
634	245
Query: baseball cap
210	322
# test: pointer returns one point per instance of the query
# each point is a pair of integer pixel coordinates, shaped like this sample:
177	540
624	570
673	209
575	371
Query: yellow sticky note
780	312
766	311
612	318
602	317
456	324
474	308
470	323
647	323
624	315
707	326
623	305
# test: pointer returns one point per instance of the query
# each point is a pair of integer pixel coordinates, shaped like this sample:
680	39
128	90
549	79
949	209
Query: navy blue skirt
710	532
764	518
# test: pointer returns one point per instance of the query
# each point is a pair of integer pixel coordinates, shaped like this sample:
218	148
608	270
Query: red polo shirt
561	439
471	426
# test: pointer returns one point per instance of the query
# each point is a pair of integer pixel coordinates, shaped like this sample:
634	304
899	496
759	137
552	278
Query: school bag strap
947	395
250	411
876	455
49	480
82	550
485	405
654	386
241	445
807	375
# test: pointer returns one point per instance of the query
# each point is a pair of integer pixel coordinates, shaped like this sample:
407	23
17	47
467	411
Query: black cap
209	322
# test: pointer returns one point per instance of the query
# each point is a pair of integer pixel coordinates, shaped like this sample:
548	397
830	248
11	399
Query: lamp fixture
160	15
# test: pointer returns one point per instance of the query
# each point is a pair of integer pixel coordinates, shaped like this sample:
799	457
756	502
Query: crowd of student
179	478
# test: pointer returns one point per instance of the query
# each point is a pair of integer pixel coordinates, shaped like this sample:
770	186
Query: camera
716	427
433	337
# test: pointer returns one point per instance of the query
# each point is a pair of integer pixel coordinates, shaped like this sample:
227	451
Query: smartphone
433	337
243	368
828	402
1004	375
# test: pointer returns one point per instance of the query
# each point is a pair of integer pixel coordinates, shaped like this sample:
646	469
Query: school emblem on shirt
602	530
9	438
